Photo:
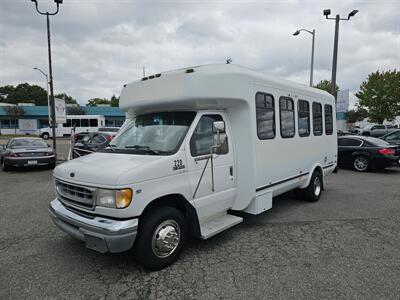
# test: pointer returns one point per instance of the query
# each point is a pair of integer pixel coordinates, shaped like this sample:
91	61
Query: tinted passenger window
265	115
349	142
286	109
328	119
93	122
317	118
203	138
379	127
68	124
76	122
84	123
304	118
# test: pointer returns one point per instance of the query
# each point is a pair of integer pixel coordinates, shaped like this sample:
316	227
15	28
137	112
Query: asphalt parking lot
345	246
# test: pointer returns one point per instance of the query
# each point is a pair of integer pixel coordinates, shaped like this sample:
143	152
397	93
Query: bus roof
205	86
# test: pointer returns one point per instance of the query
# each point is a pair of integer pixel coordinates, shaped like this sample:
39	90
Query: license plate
32	162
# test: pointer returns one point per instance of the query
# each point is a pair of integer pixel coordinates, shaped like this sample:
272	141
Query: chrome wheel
361	163
166	238
317	186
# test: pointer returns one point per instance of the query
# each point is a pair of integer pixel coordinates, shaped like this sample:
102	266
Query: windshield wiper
142	147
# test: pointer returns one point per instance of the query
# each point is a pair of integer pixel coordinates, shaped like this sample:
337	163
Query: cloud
100	45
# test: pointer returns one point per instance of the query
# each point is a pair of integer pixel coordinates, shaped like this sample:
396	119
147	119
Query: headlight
114	198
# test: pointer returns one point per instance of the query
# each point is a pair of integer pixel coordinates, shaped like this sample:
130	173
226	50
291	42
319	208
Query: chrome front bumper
99	234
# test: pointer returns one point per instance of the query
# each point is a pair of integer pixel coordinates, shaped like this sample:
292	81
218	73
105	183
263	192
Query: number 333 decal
178	164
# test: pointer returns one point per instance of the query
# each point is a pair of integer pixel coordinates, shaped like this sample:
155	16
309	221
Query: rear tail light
109	138
386	151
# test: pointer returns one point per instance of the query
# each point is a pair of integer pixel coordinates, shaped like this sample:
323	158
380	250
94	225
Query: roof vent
189	71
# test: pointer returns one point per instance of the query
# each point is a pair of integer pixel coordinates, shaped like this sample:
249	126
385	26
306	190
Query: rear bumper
385	162
98	233
25	161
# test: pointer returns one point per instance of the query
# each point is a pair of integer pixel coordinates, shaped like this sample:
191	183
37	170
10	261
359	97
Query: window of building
203	137
9	124
84	122
317	118
93	123
43	123
265	115
286	110
304	118
328	119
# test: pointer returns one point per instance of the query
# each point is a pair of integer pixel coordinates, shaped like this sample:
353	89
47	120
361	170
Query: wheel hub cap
317	186
166	238
360	164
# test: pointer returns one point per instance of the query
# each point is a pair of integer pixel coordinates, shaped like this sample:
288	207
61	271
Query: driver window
203	138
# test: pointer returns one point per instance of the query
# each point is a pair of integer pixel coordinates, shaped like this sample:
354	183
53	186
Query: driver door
208	202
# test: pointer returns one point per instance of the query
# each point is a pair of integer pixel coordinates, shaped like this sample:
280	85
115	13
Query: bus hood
113	169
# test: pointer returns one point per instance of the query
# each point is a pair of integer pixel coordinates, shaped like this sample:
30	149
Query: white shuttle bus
201	144
82	123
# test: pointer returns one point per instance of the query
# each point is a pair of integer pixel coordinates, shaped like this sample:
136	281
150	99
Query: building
36	117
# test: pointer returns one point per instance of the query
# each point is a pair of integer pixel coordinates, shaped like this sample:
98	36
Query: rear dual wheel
313	191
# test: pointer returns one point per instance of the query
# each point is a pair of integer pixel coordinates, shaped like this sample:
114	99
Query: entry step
218	224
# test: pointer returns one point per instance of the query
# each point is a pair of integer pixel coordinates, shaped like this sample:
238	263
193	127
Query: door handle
231	171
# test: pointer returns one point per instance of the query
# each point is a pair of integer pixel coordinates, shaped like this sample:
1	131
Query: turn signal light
386	151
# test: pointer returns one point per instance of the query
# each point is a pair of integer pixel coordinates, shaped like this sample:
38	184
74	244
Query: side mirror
220	138
219	126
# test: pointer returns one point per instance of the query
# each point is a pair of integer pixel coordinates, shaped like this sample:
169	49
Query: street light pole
47	87
337	19
312	51
52	105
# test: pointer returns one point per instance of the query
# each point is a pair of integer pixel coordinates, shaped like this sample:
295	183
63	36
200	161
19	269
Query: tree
380	94
96	101
326	86
24	92
115	101
14	112
353	116
68	99
75	110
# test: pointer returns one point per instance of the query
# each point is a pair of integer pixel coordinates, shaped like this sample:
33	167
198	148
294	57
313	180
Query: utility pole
52	105
337	19
297	32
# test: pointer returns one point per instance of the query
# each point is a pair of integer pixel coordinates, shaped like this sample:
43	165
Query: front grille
76	195
31	154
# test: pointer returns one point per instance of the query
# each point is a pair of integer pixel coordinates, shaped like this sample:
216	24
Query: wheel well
180	203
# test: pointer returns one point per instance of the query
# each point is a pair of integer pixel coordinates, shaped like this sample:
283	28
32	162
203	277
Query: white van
82	123
158	183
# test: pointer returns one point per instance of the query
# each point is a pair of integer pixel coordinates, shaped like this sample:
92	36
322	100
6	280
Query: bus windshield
158	133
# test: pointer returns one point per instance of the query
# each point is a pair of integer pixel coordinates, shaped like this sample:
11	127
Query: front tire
161	237
313	191
360	163
45	136
4	166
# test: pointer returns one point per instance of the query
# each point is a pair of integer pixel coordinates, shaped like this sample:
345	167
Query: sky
99	45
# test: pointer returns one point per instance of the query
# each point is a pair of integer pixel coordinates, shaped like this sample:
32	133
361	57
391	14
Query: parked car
365	153
392	137
79	136
21	152
377	130
92	142
355	130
